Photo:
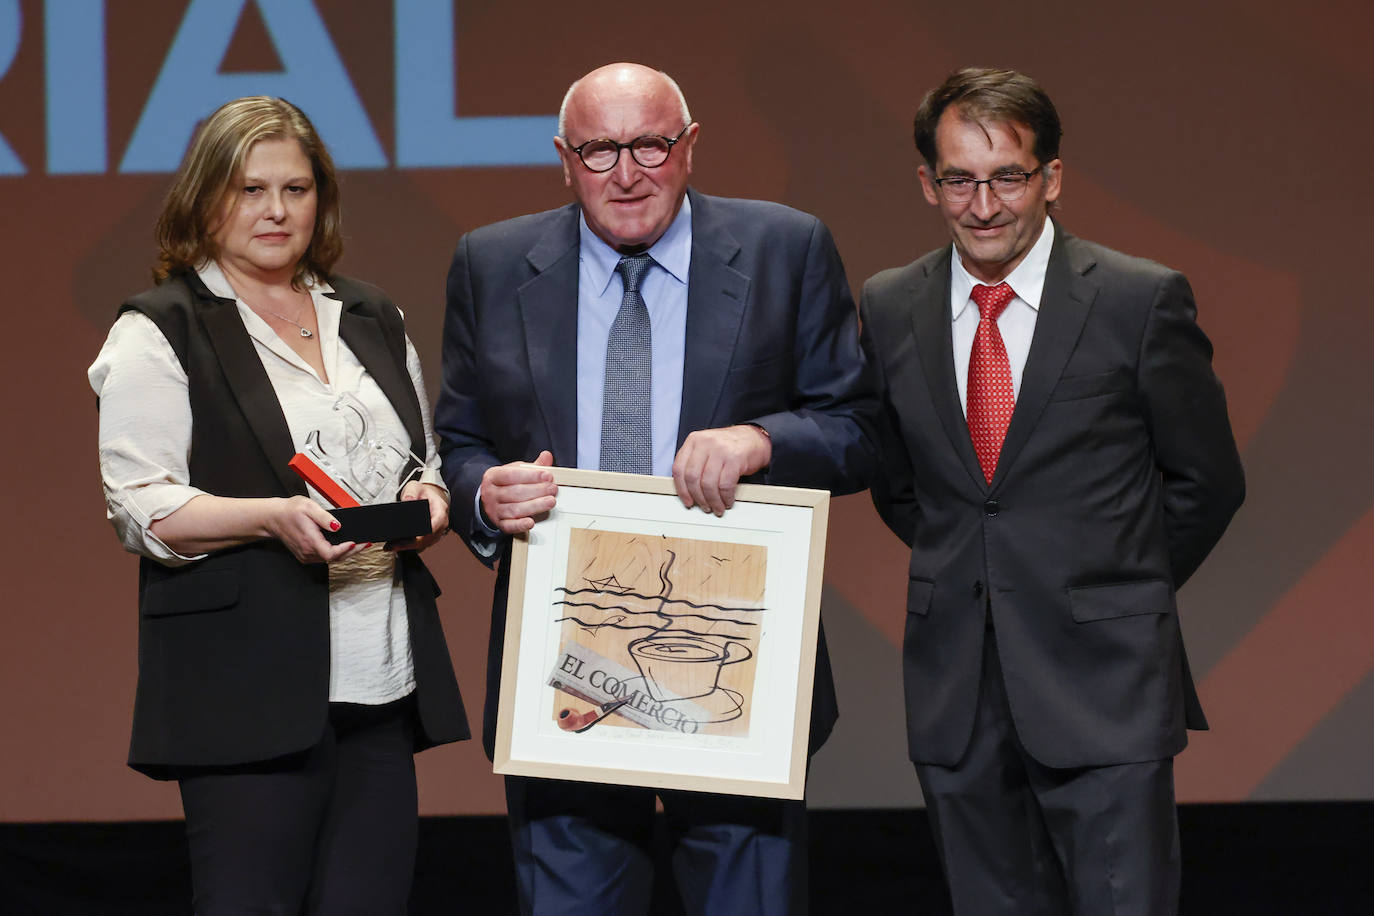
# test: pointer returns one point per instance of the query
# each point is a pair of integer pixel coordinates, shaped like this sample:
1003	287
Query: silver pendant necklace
305	332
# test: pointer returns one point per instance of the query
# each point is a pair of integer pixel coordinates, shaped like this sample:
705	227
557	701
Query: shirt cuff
481	526
137	536
434	478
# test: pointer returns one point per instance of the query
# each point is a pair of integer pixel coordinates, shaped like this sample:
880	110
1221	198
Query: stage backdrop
1224	139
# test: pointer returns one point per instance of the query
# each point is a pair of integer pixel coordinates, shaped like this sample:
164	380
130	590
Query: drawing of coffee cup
683	667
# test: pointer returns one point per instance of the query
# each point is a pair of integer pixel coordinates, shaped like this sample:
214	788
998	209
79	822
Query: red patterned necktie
990	393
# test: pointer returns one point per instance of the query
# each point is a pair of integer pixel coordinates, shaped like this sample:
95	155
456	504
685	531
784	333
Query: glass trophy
370	468
361	473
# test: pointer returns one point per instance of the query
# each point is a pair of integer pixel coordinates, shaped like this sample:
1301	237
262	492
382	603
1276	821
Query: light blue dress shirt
599	291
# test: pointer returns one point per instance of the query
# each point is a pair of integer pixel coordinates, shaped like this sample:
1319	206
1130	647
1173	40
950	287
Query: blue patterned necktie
626	430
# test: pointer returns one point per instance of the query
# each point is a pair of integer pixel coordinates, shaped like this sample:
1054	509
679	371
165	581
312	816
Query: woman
285	682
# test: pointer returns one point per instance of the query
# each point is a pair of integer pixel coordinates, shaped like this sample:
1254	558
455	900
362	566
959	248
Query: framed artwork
653	645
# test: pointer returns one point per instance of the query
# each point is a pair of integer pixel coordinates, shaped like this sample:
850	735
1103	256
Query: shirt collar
328	310
212	275
672	251
1027	279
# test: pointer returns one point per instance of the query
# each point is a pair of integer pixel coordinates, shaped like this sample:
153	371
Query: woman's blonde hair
211	169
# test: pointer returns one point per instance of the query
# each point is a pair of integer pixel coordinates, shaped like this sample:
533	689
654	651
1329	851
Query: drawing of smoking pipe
577	722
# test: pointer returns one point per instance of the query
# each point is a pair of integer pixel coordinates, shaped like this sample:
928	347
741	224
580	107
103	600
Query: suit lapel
716	297
1064	306
249	383
364	337
548	312
931	322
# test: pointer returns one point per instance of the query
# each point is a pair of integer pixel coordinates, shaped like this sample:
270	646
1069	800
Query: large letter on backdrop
428	132
10	22
190	86
74	69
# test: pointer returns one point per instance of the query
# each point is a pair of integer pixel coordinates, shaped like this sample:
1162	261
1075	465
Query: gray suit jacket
1118	474
772	339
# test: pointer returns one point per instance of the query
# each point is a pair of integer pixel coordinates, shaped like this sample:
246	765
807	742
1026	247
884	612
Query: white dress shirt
145	441
1017	321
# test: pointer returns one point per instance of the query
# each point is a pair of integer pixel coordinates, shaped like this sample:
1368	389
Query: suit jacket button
978	589
990	508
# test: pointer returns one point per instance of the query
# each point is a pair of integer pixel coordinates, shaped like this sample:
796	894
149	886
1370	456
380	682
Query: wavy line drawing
667	614
599	591
593	626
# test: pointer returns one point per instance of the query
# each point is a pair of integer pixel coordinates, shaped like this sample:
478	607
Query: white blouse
145	442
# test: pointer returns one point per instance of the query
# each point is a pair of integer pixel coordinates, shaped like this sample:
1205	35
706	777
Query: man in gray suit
1060	461
655	329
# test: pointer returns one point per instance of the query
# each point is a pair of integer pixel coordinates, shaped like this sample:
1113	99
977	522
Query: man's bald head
622	77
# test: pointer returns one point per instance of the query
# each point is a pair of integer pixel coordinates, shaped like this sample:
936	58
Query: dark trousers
331	830
586	848
1017	837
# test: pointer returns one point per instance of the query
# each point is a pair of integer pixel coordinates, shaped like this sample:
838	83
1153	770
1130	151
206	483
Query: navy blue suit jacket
772	339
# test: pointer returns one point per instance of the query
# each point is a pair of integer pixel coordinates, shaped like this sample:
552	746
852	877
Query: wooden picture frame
650	644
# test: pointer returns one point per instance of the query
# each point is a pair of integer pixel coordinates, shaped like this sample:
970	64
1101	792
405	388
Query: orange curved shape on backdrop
1291	670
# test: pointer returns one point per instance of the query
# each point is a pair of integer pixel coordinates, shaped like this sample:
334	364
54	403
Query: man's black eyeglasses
1007	186
650	151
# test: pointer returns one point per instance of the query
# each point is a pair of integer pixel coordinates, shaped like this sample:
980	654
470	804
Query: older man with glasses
1060	461
651	329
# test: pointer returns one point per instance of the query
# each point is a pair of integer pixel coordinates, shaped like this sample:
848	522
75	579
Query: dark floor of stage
1309	859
